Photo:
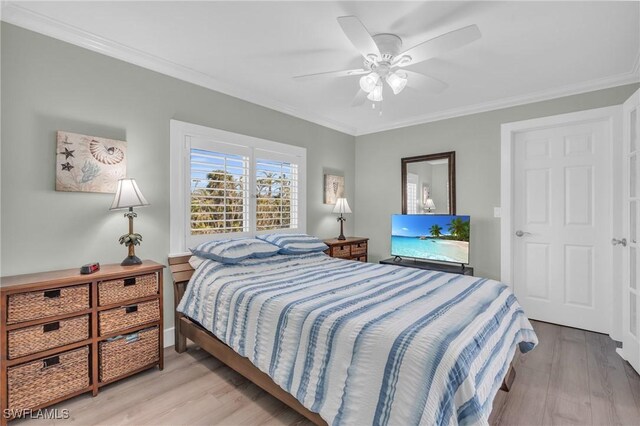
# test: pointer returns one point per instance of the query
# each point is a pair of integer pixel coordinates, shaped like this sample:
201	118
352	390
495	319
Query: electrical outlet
496	212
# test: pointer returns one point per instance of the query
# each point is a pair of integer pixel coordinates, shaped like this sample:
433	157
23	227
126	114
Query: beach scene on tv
433	237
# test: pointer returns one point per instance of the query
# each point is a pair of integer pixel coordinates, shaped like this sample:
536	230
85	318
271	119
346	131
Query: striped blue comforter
363	343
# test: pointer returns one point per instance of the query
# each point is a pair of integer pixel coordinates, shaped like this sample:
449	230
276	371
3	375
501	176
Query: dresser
63	334
353	248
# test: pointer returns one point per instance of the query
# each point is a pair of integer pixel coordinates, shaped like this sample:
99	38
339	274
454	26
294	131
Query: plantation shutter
277	190
219	188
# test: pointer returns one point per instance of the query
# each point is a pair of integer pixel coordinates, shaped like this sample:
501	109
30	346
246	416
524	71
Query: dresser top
349	240
73	276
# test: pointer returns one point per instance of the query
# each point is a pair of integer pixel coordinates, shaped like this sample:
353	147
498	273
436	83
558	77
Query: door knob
520	233
622	242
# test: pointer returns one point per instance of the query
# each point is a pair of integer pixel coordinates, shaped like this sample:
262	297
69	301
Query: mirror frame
451	156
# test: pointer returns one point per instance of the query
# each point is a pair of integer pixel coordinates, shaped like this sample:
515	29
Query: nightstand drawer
359	248
47	303
124	317
341	251
121	290
38	338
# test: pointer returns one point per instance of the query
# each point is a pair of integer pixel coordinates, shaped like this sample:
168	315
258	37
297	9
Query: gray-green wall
49	85
476	141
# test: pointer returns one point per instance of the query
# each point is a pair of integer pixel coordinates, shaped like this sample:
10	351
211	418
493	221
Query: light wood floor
572	377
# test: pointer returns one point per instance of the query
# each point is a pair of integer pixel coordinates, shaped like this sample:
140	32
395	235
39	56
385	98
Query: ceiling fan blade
342	73
359	36
359	98
424	82
439	45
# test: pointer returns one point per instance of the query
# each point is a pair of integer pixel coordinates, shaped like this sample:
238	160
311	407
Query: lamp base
341	237
131	260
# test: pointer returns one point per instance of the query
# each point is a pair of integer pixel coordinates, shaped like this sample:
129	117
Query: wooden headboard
181	272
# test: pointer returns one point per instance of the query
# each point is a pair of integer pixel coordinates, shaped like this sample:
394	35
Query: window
276	195
412	193
230	185
219	192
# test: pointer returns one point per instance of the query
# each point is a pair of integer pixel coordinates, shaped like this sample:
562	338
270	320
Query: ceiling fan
385	61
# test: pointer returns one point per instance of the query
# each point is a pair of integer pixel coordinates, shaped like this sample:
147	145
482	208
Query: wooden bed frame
187	329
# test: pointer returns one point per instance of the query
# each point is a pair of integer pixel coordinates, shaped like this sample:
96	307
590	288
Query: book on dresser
351	248
63	334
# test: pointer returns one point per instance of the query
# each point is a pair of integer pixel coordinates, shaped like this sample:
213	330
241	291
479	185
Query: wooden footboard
185	329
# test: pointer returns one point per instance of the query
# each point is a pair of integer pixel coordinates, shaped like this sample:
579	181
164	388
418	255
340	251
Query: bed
346	342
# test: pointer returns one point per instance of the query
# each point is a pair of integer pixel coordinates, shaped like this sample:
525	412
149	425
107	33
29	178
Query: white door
562	223
631	258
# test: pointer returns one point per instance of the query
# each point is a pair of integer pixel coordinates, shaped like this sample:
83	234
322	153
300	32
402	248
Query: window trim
179	172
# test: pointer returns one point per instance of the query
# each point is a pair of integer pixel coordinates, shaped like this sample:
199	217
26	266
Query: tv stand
431	266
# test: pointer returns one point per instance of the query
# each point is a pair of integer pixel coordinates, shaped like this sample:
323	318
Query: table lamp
341	207
429	205
128	196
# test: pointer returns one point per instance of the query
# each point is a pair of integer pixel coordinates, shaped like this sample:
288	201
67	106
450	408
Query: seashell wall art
89	163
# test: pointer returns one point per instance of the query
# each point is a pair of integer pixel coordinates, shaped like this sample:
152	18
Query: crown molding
574	89
15	14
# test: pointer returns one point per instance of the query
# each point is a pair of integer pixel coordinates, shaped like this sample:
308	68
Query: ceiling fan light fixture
376	93
397	81
368	82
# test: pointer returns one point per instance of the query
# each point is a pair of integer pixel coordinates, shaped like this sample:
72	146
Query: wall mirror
429	184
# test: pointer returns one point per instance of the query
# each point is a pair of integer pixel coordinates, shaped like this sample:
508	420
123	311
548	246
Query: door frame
613	116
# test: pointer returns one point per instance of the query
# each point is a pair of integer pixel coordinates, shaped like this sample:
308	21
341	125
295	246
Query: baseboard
169	337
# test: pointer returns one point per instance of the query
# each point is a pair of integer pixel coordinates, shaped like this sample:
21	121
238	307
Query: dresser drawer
124	317
47	303
38	382
38	338
342	251
121	290
359	248
123	354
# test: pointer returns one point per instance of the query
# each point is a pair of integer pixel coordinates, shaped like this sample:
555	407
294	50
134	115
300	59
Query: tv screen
444	238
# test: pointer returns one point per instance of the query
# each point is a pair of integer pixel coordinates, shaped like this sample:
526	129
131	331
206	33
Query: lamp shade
368	82
341	206
429	204
376	93
128	195
397	81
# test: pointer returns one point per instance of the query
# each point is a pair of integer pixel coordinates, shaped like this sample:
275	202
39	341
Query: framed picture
333	188
89	163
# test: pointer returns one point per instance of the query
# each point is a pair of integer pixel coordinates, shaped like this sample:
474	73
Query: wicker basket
116	291
124	317
123	354
38	382
47	303
38	338
360	248
342	251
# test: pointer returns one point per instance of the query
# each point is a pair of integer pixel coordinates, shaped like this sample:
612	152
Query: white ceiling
529	51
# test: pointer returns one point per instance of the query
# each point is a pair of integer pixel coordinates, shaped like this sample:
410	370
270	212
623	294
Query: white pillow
295	243
196	261
234	251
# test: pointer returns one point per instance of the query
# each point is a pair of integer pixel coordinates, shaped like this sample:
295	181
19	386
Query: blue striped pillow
234	251
295	243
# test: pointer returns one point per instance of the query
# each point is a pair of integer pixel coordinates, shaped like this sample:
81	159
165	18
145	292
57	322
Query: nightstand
64	333
353	248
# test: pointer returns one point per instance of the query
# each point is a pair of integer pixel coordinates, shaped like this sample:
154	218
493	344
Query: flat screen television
439	237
